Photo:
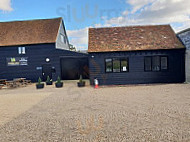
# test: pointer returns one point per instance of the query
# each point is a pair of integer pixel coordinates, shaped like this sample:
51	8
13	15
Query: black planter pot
49	83
40	86
81	84
59	85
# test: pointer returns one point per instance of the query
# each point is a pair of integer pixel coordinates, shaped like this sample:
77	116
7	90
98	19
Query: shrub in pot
49	81
81	83
39	85
59	83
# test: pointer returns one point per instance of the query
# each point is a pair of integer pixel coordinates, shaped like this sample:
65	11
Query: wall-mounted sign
38	68
17	61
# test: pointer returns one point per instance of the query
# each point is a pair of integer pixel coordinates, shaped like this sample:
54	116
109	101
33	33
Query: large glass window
124	65
156	63
116	65
164	63
108	65
148	63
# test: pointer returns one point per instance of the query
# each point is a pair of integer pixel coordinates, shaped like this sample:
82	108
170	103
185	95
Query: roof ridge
132	26
31	20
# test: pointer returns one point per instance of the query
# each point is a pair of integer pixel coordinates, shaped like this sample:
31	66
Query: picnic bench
18	82
2	83
11	84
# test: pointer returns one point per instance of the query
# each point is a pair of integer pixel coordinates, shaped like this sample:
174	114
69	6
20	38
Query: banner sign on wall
17	61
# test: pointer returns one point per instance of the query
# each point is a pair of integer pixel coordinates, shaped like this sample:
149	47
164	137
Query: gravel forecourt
137	113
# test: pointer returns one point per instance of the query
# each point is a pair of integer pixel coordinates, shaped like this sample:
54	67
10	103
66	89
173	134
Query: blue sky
76	14
80	15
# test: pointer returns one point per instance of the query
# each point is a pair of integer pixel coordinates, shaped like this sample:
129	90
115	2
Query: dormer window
21	50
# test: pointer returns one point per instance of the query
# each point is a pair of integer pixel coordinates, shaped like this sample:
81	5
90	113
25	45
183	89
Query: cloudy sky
80	15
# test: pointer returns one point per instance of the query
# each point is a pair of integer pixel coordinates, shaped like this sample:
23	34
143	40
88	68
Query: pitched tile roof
132	38
29	32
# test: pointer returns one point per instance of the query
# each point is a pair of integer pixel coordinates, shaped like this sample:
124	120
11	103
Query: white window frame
62	38
21	50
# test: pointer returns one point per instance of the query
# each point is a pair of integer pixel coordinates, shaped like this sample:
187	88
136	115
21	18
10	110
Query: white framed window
21	50
62	38
114	65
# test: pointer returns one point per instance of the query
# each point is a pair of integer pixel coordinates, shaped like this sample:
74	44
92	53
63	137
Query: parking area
119	113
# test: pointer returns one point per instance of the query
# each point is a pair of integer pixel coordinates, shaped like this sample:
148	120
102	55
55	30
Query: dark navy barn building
135	55
37	48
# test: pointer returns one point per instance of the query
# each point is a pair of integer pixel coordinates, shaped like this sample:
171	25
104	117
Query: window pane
65	40
23	50
116	65
124	65
148	63
19	50
156	63
108	65
62	38
164	63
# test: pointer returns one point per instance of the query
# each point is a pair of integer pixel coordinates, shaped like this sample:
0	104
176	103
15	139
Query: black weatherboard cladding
37	55
136	74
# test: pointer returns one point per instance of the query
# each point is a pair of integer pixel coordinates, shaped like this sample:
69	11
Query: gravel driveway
126	113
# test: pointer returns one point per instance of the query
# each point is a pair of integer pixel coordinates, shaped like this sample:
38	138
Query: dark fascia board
183	31
25	45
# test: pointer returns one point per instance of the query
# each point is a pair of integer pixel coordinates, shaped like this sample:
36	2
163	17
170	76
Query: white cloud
185	25
154	12
138	4
5	5
144	12
78	38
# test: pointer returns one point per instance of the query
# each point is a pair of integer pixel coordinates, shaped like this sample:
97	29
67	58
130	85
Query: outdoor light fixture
92	56
47	60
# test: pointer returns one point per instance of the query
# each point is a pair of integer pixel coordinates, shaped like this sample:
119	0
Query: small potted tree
59	83
81	83
49	81
39	85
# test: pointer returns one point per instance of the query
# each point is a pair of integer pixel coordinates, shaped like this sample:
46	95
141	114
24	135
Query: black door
46	71
72	68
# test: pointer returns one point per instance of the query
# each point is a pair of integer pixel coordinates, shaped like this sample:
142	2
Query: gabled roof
29	32
133	38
